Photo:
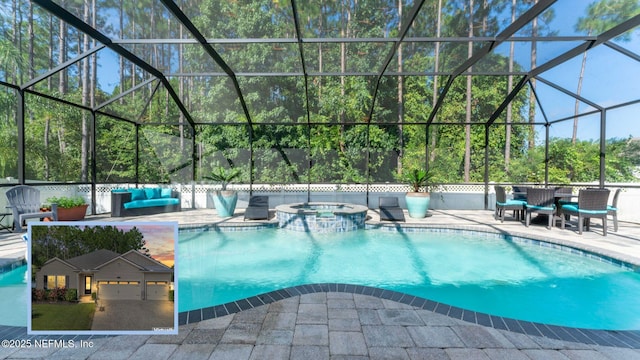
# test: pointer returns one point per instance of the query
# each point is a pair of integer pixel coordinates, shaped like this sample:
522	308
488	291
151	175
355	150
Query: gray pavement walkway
330	326
131	315
343	325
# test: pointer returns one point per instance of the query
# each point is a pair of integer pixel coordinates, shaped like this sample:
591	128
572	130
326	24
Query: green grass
62	316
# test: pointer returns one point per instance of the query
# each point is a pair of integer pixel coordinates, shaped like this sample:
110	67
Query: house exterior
112	276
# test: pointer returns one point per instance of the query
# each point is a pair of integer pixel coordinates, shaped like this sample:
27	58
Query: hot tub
321	217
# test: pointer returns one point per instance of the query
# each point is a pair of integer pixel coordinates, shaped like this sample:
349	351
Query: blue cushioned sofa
132	202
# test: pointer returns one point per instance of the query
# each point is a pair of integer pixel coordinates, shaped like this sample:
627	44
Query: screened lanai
298	95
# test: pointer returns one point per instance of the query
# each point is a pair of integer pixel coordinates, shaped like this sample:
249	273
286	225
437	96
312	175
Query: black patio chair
258	208
390	209
502	204
541	201
592	203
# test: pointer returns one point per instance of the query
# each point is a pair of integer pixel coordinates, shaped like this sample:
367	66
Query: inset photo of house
107	278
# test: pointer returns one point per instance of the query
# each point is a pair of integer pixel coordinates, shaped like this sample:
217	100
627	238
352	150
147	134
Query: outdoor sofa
147	201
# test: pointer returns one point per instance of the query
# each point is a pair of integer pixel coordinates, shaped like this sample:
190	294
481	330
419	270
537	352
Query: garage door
119	290
157	290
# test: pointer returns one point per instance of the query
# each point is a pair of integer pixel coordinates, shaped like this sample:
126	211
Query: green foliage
341	144
418	179
224	176
71	295
67	242
66	202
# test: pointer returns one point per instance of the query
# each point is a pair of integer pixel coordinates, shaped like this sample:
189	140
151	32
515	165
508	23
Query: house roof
99	258
93	259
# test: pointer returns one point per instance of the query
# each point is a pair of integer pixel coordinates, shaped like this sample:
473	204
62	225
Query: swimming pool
481	272
13	294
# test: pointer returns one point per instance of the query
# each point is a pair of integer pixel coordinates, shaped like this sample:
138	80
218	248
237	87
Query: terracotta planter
71	214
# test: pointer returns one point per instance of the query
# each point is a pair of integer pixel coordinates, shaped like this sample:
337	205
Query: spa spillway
321	217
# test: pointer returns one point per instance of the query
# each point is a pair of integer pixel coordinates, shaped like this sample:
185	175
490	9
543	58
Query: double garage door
130	290
119	290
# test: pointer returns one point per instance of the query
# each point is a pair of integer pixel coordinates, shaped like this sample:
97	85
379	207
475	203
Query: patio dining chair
520	192
613	209
592	203
541	201
24	202
503	204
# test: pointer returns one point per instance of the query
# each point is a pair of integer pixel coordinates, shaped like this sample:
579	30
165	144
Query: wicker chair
502	204
592	203
613	209
520	192
541	201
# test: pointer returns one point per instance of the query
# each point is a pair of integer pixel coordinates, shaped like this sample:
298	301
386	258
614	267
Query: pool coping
617	338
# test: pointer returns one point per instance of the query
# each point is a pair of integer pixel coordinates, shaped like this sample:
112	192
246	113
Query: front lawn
62	316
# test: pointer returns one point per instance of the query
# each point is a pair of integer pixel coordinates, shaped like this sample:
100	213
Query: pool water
13	297
481	273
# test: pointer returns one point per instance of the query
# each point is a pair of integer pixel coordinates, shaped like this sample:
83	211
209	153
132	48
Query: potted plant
224	200
418	198
70	208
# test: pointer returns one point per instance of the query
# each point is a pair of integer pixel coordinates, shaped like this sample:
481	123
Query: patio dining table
559	194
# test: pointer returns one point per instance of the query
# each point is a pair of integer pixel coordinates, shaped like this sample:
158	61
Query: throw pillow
137	194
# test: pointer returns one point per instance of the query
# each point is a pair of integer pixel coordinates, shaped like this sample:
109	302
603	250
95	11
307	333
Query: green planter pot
225	202
417	204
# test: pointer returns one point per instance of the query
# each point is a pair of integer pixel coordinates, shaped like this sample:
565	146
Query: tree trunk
576	110
400	97
467	126
507	135
121	58
434	129
31	37
84	143
532	97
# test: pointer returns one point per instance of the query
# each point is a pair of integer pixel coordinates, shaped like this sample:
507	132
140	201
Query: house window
55	281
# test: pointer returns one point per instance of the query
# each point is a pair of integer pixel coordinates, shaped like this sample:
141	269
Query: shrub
71	295
171	294
38	294
57	294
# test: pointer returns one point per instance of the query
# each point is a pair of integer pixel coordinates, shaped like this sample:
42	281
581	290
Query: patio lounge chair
258	208
502	204
592	203
541	201
24	202
390	209
613	209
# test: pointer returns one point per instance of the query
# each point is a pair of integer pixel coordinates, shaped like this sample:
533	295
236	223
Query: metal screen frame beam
184	20
504	35
79	24
62	66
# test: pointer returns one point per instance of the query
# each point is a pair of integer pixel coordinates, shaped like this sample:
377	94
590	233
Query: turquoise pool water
482	273
13	297
479	272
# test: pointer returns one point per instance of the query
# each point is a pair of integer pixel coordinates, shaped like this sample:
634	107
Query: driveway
133	315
